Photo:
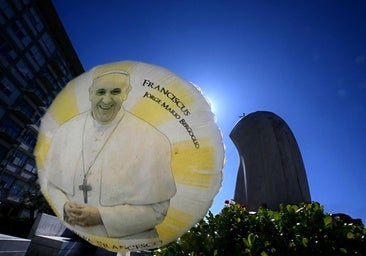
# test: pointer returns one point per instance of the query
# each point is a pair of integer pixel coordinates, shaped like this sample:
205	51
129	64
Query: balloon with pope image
129	156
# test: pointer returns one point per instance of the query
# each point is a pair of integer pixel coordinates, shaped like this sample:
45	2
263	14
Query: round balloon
129	156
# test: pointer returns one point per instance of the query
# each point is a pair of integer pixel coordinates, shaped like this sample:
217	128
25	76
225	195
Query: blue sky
303	60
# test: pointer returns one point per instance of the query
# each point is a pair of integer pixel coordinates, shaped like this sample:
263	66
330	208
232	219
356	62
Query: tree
302	229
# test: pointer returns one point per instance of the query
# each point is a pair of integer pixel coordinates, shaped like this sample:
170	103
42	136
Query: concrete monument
271	169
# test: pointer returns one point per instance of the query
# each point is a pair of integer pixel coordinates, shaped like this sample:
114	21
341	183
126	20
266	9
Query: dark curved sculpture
271	169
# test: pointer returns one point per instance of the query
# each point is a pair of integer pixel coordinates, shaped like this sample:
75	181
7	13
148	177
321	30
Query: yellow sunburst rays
62	109
175	221
192	166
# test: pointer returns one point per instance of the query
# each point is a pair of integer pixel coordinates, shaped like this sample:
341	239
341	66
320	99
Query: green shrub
293	230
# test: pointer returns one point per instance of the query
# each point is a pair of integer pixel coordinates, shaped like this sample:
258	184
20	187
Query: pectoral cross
85	188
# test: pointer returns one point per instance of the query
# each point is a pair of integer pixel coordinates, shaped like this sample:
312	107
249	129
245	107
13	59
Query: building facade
36	61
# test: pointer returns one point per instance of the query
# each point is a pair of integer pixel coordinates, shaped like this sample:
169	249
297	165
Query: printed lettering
170	95
150	96
172	111
190	132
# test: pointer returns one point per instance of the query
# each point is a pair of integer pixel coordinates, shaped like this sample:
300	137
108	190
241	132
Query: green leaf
251	238
305	242
246	242
343	250
276	215
350	235
288	208
264	254
327	220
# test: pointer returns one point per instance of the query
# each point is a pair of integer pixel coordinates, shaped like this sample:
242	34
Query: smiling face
106	96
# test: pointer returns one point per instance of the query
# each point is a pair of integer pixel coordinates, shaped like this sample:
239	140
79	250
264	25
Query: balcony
42	109
24	147
34	127
28	176
11	168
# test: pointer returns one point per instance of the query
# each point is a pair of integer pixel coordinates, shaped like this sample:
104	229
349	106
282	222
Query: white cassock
127	164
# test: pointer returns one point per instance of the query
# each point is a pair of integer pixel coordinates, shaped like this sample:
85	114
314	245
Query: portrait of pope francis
108	172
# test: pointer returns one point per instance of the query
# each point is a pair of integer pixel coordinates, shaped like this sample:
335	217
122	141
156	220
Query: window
36	21
37	56
67	74
49	99
32	61
55	66
18	191
21	33
18	76
5	183
7	87
49	75
38	93
48	44
8	91
27	18
23	69
36	118
31	166
19	159
25	109
29	138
